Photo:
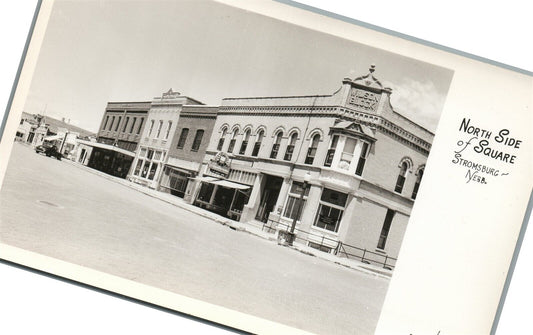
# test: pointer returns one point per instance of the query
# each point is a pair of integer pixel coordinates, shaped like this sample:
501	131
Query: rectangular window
169	125
347	153
106	122
331	151
159	129
152	122
150	155
126	124
183	138
385	229
118	123
294	206
140	126
153	169
133	125
311	153
138	167
362	159
111	124
330	210
197	140
143	152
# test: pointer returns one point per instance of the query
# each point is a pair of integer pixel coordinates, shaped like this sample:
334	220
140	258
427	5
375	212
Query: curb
235	225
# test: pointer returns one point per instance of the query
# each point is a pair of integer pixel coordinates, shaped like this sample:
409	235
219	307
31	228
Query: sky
94	52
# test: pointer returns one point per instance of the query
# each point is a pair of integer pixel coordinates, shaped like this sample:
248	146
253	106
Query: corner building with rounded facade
363	160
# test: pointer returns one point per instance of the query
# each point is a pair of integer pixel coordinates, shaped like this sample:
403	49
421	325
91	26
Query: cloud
419	101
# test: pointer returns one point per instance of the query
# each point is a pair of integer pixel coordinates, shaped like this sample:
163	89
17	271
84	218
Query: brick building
363	162
118	137
187	149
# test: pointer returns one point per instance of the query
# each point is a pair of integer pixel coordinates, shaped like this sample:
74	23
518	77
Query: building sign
219	165
365	100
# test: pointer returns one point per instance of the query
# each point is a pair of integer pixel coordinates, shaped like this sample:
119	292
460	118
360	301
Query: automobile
49	151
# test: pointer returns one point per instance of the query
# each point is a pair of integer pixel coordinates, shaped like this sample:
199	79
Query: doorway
269	197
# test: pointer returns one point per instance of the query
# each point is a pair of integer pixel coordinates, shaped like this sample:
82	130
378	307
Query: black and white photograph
223	156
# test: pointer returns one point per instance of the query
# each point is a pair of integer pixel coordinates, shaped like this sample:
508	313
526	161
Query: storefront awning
53	138
206	179
107	147
229	184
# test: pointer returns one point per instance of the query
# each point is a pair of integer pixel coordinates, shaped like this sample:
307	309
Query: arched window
311	152
275	147
419	176
290	146
222	139
244	143
257	145
232	141
401	177
183	138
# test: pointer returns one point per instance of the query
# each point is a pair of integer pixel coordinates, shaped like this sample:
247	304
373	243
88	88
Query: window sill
381	251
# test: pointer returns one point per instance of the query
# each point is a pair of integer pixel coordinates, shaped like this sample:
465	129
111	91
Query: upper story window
111	124
133	125
169	125
126	124
401	177
311	152
105	123
152	122
159	128
183	138
331	150
244	143
257	145
197	140
419	176
362	158
290	147
140	126
222	139
347	153
232	141
118	123
275	147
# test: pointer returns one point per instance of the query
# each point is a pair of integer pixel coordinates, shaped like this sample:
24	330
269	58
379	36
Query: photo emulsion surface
224	156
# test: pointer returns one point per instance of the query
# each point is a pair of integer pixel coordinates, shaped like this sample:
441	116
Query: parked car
49	151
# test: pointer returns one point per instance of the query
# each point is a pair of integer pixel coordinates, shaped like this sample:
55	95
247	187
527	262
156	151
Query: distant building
118	137
364	163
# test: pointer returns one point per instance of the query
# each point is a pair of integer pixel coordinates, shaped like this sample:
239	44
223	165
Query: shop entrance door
269	197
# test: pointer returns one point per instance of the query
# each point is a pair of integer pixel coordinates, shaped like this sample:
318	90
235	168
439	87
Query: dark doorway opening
269	197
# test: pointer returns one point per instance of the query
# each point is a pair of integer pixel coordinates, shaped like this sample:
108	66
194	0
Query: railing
338	248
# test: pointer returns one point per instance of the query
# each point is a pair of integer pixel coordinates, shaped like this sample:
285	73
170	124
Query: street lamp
290	234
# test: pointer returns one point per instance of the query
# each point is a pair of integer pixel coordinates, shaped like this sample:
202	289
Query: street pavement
64	211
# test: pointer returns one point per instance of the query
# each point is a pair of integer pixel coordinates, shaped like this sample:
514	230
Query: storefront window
330	210
138	167
205	192
153	169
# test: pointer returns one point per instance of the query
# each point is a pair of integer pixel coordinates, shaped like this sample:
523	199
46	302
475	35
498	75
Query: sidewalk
239	226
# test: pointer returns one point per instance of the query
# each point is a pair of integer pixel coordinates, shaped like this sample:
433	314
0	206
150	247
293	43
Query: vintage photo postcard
266	167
